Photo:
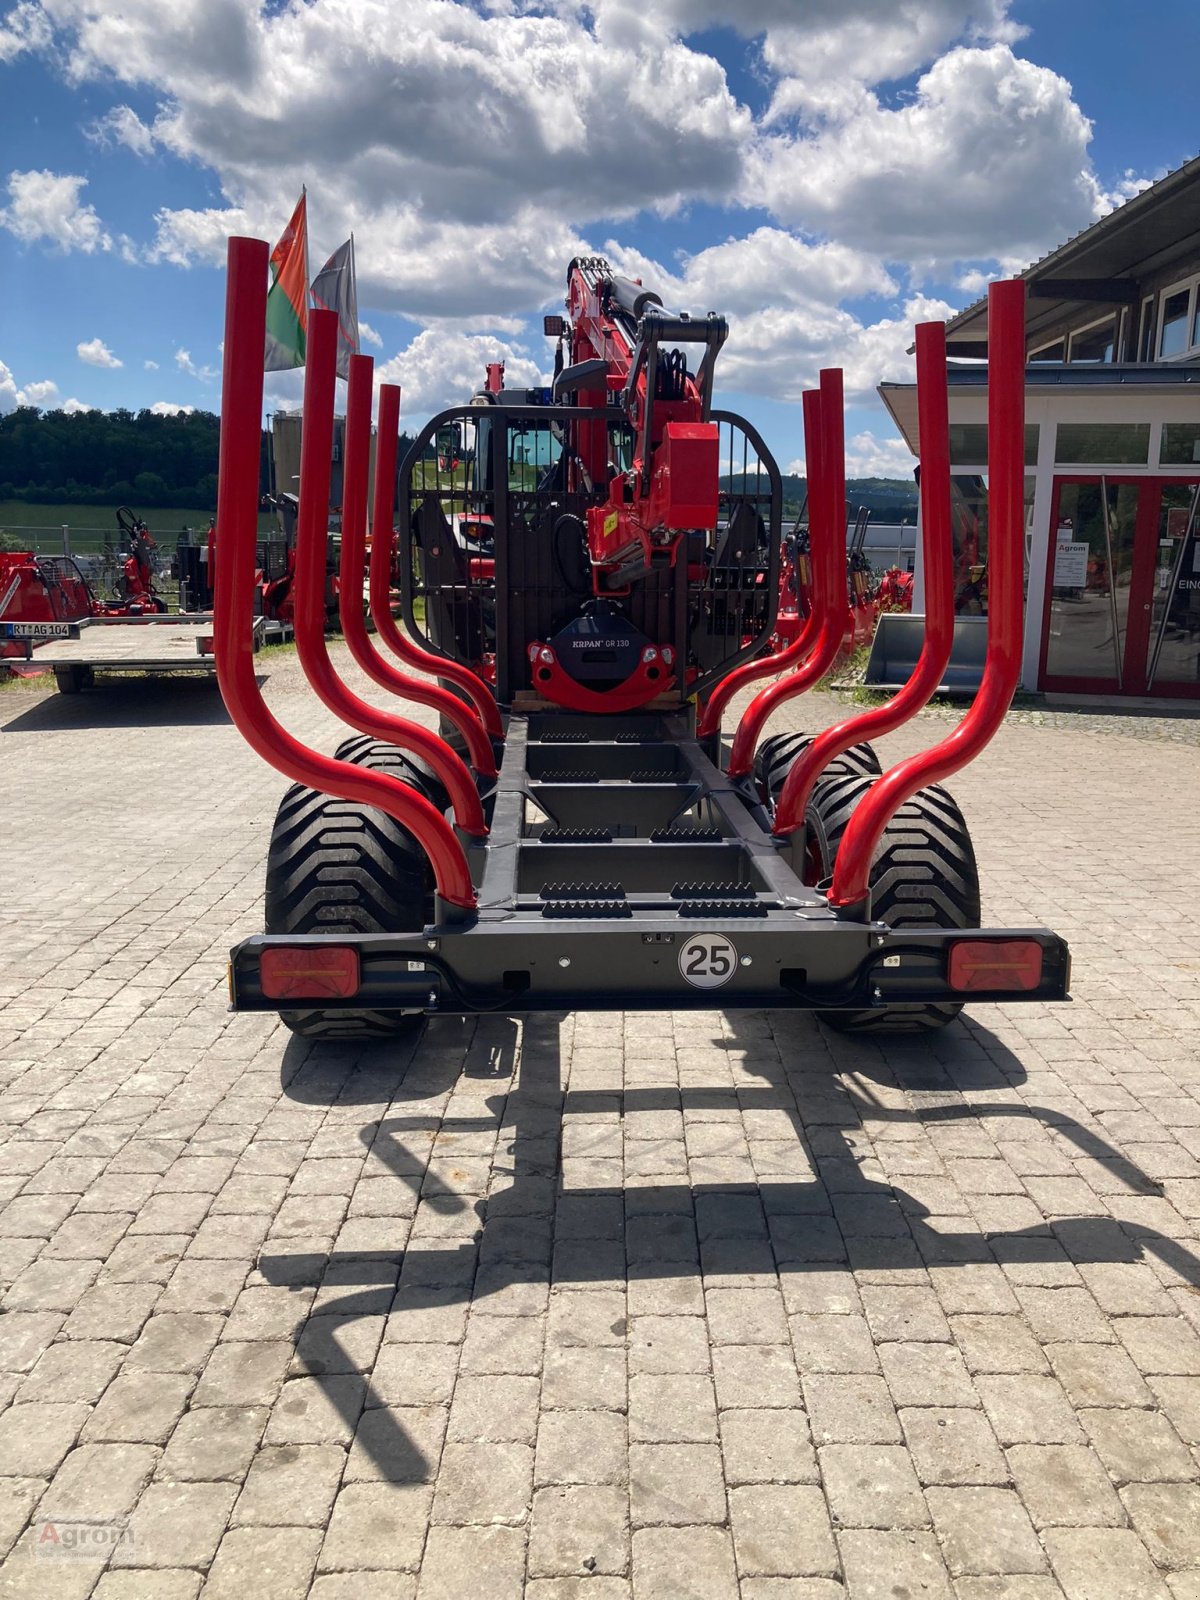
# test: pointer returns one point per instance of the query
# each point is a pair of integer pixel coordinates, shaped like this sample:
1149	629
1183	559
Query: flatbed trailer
76	651
590	598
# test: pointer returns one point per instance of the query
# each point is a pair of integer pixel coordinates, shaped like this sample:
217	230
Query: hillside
887	499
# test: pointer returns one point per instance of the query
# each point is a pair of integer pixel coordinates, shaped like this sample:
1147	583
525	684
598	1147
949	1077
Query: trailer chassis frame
685	857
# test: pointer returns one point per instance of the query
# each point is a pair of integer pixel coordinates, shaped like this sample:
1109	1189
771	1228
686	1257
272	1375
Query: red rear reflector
995	964
309	972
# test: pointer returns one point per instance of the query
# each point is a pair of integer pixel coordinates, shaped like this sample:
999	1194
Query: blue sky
825	174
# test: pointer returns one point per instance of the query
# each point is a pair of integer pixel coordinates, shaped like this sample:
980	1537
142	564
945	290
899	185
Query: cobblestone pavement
597	1306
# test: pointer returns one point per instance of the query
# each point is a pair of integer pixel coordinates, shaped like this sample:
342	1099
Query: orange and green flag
287	298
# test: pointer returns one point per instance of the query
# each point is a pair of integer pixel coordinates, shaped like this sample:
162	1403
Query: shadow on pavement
809	1206
119	702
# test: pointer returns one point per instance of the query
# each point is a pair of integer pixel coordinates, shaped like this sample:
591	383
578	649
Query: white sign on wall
1070	563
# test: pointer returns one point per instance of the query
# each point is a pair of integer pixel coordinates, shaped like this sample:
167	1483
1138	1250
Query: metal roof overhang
901	398
1104	265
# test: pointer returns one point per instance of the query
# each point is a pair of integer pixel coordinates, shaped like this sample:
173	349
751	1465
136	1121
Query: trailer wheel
924	875
336	867
364	751
776	756
73	680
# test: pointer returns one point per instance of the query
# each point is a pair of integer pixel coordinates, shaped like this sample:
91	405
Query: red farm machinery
588	574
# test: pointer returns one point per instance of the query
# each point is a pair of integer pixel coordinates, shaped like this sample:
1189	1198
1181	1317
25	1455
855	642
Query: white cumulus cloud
72	406
25	28
97	354
368	335
46	205
122	125
167	408
442	367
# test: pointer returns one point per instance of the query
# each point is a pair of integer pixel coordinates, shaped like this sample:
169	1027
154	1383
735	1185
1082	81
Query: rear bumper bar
513	964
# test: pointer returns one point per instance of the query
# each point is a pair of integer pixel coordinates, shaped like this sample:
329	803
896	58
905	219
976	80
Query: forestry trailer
589	572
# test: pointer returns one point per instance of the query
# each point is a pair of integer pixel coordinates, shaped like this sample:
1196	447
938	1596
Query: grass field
90	523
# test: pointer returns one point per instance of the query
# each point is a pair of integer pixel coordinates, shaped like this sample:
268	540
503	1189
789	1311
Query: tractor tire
777	755
73	680
924	875
336	867
364	751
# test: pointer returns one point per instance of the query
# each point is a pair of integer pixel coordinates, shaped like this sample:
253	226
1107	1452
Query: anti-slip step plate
686	834
586	908
582	891
571	775
563	738
575	836
713	891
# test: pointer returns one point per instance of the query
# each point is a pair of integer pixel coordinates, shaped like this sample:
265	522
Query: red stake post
355	475
1006	522
233	622
828	538
709	725
312	532
382	540
938	557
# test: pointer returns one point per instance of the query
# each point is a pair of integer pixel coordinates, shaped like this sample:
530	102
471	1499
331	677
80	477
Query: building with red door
1112	451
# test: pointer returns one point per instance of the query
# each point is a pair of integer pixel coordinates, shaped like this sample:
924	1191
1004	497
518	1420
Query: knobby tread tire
924	875
337	867
777	755
364	751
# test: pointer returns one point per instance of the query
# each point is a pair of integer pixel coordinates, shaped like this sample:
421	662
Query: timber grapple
587	574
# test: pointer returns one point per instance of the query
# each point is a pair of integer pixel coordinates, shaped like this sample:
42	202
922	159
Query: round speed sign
707	960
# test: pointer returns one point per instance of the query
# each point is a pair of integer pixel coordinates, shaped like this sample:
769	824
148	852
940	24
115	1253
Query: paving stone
273	1563
1064	1485
585	1379
140	1407
243	1374
686	1563
289	1485
34	1439
853	1409
1108	1562
73	1370
997	1344
377	1526
1167	1516
880	1565
112	1312
927	1375
177	1525
985	1530
674	1408
676	1484
833	1344
1138	1446
477	1485
781	1530
160	1585
579	1529
178	1342
473	1561
1026	1409
214	1443
581	1447
872	1486
1098	1375
24	1336
758	1375
953	1445
746	1316
767	1447
1160	1345
99	1480
1180	1401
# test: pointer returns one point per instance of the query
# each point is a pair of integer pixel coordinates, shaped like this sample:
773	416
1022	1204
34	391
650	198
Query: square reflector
309	972
1014	964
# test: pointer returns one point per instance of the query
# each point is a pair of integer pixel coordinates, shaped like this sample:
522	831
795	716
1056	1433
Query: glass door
1088	580
1123	587
1173	644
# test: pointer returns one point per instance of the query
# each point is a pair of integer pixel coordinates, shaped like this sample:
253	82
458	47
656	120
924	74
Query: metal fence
98	552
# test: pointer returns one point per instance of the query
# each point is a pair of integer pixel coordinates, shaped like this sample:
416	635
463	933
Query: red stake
233	622
1006	524
355	472
828	538
938	553
312	524
382	540
709	724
